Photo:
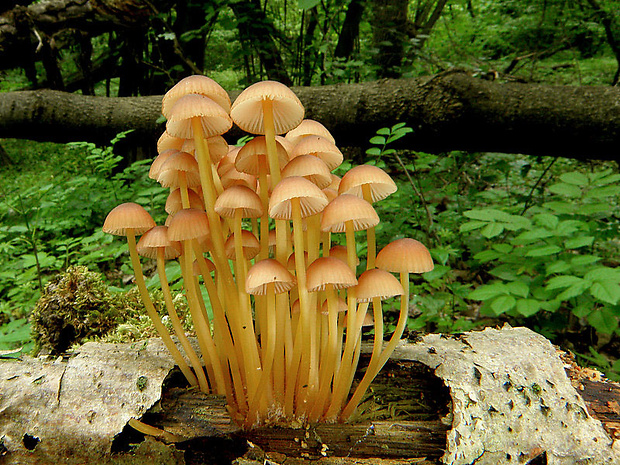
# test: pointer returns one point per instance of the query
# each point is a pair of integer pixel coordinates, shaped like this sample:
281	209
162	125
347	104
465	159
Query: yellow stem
371	240
373	369
177	325
231	352
152	313
270	141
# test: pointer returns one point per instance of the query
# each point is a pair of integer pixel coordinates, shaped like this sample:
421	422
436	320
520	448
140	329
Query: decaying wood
486	397
453	111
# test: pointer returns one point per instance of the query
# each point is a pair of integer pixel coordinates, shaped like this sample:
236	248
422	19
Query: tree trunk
349	34
447	112
389	32
256	29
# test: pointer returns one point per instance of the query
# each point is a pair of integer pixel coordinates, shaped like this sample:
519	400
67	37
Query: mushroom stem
176	323
183	189
270	141
231	351
328	368
373	369
206	179
261	389
203	332
302	345
153	315
371	241
264	220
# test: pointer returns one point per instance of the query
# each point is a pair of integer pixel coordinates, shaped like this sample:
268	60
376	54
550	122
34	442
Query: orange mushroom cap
128	216
319	147
377	283
239	197
405	256
247	110
266	272
250	246
155	239
326	271
196	84
380	183
188	224
312	199
308	127
213	118
346	208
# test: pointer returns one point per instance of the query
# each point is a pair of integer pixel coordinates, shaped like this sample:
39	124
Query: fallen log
491	397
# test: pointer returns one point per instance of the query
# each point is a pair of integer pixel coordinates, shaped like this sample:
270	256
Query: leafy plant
550	259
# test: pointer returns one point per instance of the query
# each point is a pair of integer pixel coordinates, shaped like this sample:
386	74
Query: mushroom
372	184
267	278
155	244
328	274
129	219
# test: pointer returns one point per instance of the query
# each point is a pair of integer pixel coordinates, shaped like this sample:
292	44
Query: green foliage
51	219
515	239
551	257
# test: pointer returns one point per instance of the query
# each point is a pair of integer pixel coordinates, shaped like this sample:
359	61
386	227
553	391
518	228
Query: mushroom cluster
253	225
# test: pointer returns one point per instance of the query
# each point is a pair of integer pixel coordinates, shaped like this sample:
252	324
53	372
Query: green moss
77	305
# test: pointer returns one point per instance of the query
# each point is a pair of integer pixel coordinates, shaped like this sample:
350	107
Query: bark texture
497	397
452	111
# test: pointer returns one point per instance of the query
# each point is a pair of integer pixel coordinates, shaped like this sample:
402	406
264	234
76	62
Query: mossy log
487	397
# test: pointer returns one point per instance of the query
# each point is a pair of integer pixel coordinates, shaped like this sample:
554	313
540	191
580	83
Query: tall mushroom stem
203	332
260	389
328	367
371	241
373	369
177	325
153	315
270	141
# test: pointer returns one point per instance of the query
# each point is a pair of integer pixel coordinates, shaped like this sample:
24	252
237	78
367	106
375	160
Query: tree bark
498	396
447	112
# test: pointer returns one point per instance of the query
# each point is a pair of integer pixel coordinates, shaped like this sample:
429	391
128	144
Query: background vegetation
525	240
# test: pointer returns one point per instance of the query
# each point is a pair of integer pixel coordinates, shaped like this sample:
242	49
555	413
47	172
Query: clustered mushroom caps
284	338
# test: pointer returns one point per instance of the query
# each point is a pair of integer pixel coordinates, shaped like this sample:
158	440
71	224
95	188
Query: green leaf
528	307
503	304
506	271
603	273
308	4
602	192
487	255
543	251
606	291
518	288
594	208
373	151
378	140
577	242
527	237
547	220
575	178
568	190
472	225
559	282
487	214
492	230
574	290
561	207
436	273
581	260
503	248
488	291
582	310
603	320
384	131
